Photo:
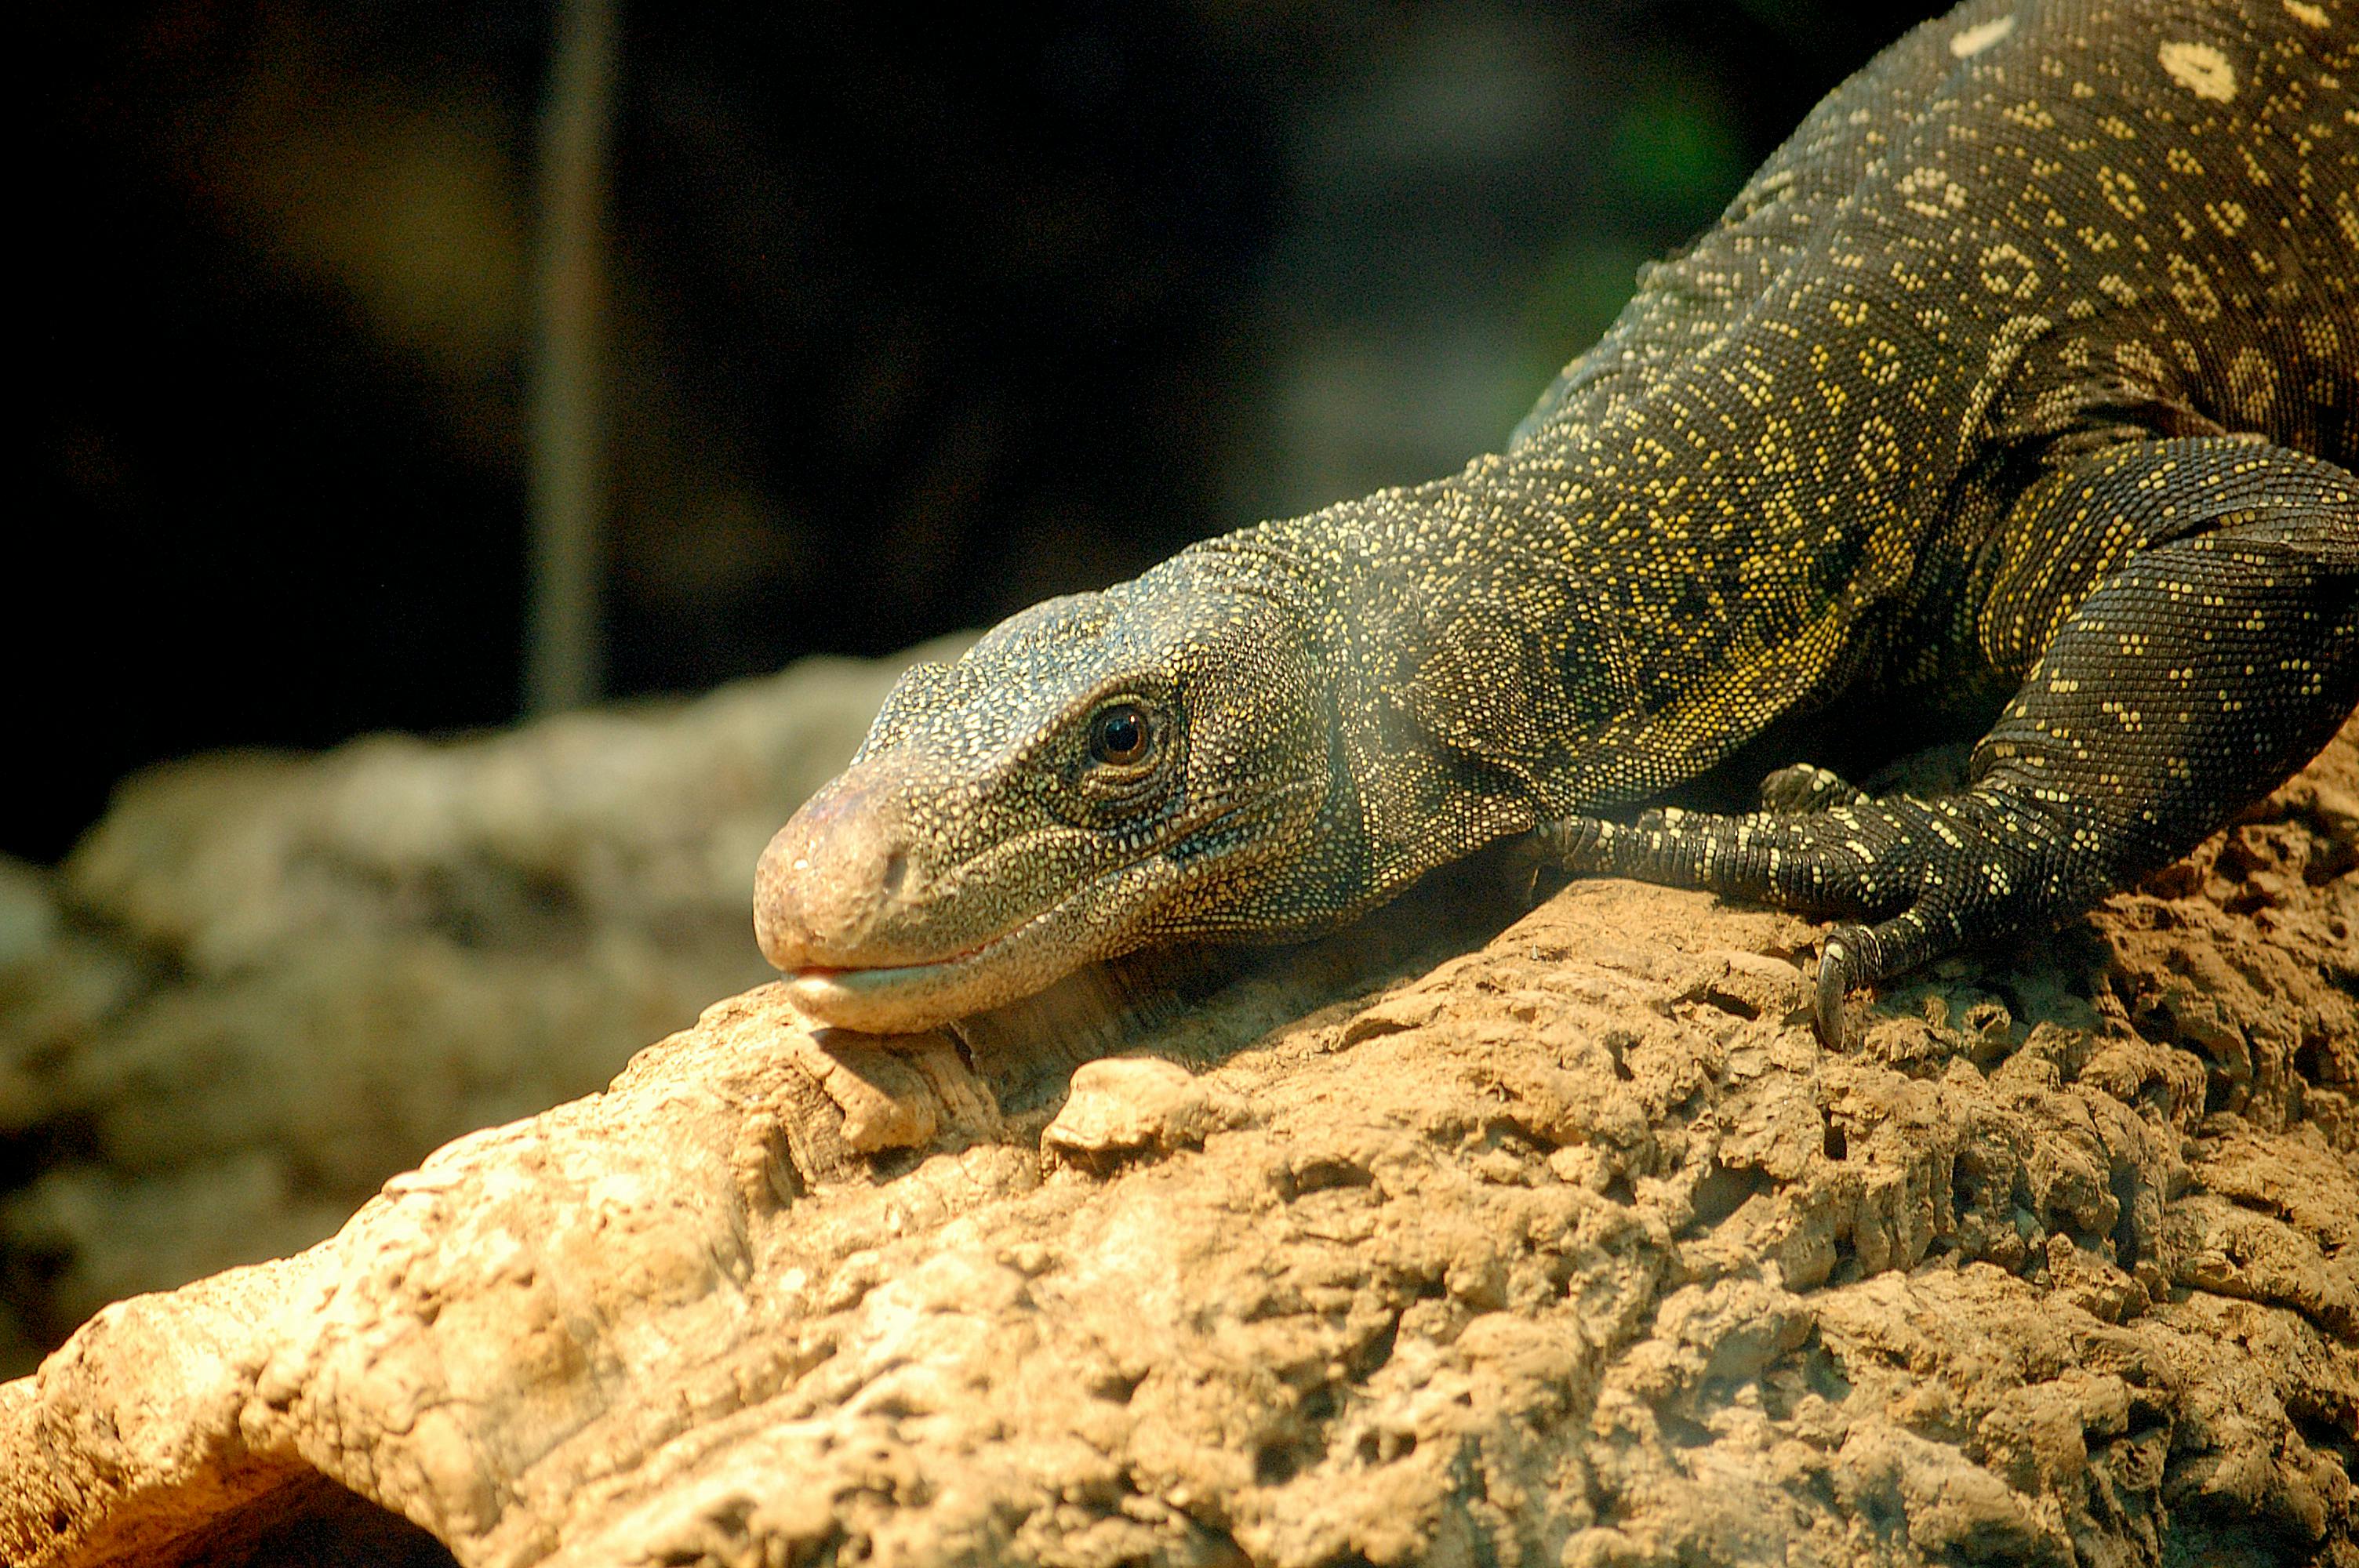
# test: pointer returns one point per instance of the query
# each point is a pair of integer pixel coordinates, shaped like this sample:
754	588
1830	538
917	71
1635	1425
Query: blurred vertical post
566	492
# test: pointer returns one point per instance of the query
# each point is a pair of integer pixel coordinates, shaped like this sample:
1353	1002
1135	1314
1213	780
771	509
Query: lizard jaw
907	999
1107	915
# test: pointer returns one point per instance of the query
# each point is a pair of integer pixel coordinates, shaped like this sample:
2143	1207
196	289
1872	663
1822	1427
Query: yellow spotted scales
2019	391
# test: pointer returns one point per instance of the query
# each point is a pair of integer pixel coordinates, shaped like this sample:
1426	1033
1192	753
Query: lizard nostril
831	889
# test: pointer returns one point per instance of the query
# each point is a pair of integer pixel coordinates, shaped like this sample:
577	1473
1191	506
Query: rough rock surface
263	984
1575	1248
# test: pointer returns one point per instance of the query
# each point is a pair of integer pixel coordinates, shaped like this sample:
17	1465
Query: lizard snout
831	875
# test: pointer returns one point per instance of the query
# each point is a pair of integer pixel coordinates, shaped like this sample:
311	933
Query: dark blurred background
913	318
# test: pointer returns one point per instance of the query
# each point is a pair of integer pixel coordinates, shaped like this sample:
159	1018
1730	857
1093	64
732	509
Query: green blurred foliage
1573	301
1672	158
1674	151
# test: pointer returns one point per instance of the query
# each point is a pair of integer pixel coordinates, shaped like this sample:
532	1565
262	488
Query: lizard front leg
2217	650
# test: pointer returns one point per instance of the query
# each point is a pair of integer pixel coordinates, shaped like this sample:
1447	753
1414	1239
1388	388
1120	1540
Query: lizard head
1098	774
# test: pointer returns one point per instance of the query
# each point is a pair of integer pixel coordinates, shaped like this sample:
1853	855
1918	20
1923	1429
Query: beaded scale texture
2016	396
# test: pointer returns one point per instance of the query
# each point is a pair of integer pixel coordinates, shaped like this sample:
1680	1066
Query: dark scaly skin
2023	380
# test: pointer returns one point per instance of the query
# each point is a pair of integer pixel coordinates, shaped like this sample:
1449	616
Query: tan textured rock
1129	1105
1573	1248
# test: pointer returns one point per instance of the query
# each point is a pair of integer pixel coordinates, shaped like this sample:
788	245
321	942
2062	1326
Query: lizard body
2016	395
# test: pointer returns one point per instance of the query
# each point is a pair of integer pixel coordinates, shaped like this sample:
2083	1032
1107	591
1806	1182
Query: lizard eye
1121	734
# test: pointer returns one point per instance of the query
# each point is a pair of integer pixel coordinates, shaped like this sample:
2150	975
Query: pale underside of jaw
908	998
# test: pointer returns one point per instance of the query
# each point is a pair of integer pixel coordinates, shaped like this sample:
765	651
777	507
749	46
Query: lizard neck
1423	767
1539	636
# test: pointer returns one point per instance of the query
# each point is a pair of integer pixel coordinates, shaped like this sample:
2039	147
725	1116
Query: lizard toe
1838	961
1804	787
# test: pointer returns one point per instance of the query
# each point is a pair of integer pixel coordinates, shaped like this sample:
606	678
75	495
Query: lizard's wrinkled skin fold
2017	392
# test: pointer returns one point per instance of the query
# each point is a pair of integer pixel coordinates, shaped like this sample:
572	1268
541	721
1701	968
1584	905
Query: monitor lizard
2017	394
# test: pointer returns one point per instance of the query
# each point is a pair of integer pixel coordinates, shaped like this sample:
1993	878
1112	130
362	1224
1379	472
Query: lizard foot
1804	787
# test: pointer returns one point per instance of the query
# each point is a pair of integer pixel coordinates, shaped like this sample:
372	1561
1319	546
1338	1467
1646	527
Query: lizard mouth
902	998
907	999
1098	920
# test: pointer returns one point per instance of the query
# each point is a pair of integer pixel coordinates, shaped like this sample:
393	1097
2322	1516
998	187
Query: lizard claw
1827	1001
